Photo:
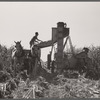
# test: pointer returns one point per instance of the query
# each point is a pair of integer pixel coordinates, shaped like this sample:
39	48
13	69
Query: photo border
53	1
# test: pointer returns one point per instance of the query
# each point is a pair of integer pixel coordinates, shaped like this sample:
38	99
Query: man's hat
86	49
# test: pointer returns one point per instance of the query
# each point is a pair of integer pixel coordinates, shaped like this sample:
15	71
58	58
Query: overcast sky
20	20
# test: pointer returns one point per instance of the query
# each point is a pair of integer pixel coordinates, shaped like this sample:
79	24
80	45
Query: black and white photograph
49	50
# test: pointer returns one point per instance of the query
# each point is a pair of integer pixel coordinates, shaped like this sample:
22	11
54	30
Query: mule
20	61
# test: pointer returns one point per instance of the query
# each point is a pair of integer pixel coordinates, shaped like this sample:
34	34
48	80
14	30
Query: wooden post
60	30
35	69
48	60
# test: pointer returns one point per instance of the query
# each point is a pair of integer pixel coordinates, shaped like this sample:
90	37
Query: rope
71	46
65	42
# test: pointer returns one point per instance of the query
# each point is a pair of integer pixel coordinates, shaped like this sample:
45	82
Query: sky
20	20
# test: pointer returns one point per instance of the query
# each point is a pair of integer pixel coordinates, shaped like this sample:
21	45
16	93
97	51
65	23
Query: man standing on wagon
34	39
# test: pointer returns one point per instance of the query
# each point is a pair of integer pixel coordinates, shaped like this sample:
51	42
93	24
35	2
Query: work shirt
33	40
82	55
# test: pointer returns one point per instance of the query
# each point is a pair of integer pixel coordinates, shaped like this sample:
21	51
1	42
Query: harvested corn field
60	87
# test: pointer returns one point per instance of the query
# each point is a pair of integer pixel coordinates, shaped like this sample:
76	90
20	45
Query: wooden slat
46	44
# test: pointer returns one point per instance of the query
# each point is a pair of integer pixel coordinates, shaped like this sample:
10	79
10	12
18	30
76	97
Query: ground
60	87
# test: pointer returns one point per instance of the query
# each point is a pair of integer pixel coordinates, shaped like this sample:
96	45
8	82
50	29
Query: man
82	58
34	39
83	54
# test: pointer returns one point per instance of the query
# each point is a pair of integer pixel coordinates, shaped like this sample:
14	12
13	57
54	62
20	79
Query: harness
19	53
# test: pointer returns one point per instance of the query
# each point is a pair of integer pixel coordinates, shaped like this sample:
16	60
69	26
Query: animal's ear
15	41
20	41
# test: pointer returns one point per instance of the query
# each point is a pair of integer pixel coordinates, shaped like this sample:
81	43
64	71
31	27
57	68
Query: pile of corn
62	87
74	88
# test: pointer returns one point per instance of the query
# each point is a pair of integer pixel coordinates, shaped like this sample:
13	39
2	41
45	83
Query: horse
20	61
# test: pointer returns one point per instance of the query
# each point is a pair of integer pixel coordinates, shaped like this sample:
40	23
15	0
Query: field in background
60	87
